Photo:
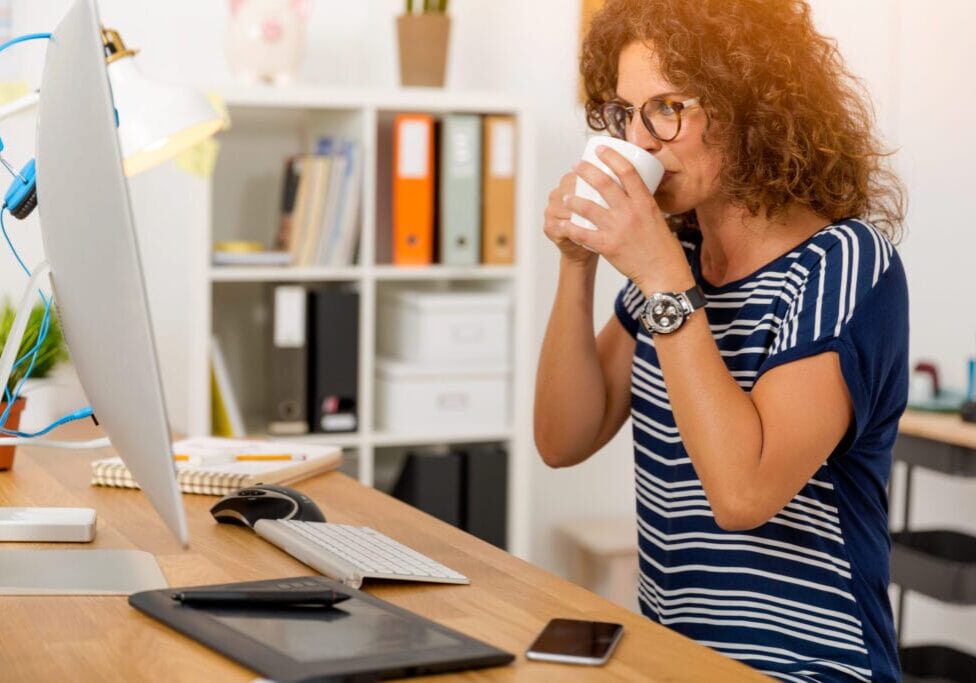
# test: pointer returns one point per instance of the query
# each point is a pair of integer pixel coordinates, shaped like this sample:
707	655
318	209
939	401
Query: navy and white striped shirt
804	596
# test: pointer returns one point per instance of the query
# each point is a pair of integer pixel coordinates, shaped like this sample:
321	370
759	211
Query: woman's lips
667	175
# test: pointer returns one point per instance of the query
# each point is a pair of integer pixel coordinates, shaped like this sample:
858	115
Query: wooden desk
947	428
103	639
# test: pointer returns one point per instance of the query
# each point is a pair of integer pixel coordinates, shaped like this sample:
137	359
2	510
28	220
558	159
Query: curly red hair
794	126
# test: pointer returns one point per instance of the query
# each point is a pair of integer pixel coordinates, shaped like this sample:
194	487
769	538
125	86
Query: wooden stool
603	557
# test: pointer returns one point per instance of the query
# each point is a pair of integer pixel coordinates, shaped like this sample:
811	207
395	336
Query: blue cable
32	355
42	334
11	244
45	321
23	38
77	415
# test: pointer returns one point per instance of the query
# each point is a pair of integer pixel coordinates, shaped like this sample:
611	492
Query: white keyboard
353	553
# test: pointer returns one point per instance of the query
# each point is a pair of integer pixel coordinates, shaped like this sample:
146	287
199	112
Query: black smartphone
572	641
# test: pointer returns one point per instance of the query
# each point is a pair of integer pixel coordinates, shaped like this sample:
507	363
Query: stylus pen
260	598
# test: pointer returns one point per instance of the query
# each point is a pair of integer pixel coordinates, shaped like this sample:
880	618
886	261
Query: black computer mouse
265	501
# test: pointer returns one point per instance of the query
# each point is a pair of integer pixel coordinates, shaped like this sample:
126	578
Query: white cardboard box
422	398
445	327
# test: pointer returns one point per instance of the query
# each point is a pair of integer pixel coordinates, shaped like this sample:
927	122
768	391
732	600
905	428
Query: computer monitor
90	243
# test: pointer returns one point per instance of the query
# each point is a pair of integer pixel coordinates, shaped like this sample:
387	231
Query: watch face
663	313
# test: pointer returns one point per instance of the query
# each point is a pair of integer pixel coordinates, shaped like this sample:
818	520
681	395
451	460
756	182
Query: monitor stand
89	571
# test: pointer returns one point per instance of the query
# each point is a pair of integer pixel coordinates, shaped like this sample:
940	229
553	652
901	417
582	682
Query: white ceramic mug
648	167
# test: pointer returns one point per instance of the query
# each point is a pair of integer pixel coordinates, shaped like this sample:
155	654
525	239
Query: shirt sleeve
628	305
854	301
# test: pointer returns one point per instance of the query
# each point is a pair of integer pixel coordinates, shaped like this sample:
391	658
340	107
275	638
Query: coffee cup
648	168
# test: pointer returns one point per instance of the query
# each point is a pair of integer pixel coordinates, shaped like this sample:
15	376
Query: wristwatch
665	312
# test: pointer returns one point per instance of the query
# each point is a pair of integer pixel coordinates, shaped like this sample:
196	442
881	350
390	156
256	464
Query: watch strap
696	297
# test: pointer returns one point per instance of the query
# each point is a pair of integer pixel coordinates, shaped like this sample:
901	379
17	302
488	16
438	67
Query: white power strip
72	525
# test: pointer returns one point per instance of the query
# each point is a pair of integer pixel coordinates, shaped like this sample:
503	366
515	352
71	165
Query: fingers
568	182
584	237
601	182
557	207
633	185
589	210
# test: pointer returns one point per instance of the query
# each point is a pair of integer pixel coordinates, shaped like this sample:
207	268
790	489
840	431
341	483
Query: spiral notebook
219	480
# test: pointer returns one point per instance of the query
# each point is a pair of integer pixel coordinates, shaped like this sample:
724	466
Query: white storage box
445	327
441	399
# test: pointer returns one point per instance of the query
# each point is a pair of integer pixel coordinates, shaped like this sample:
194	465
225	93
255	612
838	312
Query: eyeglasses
661	117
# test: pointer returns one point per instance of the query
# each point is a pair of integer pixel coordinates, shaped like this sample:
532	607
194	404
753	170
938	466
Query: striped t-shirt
804	596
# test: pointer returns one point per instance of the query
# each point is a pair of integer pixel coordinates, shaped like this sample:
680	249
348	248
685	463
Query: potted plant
51	352
423	38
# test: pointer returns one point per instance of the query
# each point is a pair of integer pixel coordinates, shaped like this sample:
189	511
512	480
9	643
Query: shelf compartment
343	440
938	563
422	439
936	664
439	272
284	274
338	97
935	455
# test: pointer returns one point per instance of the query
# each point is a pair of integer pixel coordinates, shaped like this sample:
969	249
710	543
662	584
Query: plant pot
423	41
13	421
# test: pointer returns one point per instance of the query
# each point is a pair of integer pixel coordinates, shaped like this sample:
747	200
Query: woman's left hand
632	234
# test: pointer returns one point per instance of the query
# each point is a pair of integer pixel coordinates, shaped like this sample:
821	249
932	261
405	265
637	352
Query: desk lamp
98	120
156	121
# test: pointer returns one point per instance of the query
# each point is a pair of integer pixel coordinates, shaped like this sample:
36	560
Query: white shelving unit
241	201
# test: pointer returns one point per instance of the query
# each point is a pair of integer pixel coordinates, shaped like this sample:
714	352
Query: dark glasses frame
615	108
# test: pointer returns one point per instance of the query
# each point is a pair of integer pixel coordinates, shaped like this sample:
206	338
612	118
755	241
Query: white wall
935	132
915	57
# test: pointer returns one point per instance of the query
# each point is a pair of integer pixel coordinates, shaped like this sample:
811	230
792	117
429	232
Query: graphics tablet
363	638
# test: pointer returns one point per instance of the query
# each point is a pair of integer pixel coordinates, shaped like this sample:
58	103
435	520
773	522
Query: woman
763	422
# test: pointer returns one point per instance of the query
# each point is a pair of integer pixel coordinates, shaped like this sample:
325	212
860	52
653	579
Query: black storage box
936	664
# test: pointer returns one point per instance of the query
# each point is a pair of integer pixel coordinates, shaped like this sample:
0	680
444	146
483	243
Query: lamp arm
19	105
16	335
101	442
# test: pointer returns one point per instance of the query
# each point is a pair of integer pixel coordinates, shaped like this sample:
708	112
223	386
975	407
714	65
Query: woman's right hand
557	212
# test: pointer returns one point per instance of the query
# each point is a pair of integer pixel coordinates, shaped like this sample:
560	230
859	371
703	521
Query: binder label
464	159
289	317
503	150
414	146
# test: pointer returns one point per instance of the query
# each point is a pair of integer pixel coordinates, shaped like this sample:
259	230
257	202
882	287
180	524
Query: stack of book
247	253
452	185
320	205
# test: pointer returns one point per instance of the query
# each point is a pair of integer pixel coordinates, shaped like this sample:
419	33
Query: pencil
245	456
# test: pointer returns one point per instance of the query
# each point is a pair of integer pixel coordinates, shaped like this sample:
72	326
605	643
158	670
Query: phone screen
572	640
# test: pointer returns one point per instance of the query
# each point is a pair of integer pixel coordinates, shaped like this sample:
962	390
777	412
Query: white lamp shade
157	121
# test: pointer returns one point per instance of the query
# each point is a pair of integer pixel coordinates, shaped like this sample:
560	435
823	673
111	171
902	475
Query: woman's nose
637	134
